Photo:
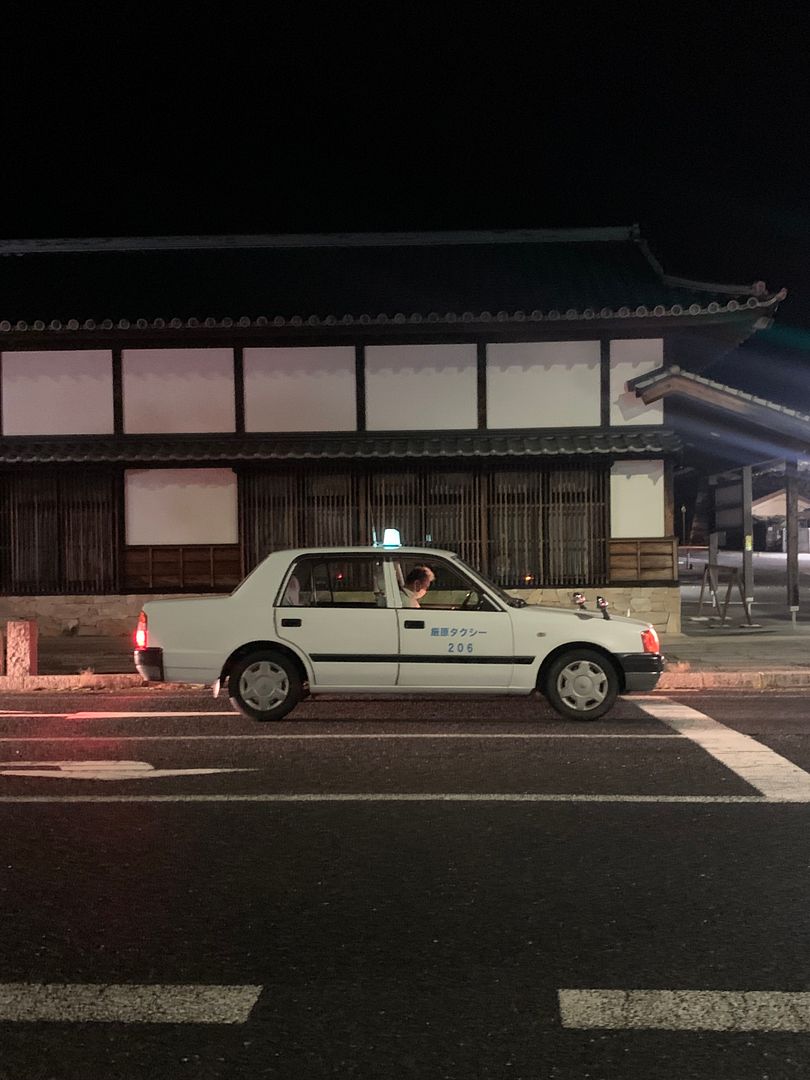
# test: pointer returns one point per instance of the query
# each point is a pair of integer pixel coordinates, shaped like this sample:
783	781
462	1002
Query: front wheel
582	684
264	686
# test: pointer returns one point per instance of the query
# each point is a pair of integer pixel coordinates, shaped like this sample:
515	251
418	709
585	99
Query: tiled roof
169	283
679	380
258	449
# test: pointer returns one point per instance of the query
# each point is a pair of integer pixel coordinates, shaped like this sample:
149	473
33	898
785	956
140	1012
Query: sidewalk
773	652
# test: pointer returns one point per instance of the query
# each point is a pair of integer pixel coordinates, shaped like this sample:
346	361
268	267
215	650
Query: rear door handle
290	622
414	624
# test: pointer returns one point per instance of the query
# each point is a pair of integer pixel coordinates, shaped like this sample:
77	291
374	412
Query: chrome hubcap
264	685
582	685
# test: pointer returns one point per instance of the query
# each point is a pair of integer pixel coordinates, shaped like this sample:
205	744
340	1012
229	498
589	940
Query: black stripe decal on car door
445	658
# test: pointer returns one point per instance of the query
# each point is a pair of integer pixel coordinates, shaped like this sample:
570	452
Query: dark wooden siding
644	559
189	567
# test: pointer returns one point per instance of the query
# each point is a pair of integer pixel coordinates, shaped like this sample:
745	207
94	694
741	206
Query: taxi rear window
336	582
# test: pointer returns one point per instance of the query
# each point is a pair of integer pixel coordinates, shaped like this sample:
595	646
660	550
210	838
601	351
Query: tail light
141	632
649	639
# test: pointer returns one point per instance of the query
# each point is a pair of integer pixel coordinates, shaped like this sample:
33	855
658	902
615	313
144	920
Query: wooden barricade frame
711	580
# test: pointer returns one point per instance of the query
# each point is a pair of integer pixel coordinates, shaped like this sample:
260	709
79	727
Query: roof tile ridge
243	241
757	289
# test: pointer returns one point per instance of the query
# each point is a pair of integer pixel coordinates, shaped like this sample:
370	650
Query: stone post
2	652
22	649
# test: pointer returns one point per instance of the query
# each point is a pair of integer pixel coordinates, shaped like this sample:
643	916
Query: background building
171	409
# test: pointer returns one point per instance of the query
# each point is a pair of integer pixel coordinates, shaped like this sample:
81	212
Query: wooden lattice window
59	531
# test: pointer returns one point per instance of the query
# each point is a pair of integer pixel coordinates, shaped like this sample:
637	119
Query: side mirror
602	604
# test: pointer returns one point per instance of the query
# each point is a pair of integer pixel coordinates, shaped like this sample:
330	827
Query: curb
784	679
740	680
70	682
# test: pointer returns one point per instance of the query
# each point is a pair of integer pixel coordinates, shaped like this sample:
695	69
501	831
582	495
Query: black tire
582	684
265	685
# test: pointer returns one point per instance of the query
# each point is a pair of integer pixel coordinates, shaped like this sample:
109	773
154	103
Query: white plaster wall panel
421	387
178	390
536	384
181	506
630	358
637	499
300	389
57	392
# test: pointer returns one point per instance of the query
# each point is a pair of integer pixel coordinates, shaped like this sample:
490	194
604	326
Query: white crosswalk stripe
765	770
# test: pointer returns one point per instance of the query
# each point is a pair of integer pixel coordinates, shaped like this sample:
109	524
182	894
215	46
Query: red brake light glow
141	632
649	639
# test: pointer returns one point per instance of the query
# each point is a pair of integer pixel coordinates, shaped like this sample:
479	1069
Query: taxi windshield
512	601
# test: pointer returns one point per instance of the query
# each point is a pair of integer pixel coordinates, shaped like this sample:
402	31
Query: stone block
22	648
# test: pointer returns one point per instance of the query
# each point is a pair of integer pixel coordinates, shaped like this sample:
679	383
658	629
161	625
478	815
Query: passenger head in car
416	584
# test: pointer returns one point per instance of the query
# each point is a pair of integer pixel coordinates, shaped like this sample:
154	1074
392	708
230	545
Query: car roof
369	549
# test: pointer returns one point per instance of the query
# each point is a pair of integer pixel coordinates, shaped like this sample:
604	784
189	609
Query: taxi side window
341	583
451	590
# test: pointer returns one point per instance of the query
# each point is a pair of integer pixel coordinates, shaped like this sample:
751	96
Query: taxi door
457	638
334	609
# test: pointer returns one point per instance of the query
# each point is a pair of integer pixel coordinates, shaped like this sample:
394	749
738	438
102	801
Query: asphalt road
412	888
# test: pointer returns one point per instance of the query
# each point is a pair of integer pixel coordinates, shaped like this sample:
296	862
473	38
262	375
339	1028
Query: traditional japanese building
172	409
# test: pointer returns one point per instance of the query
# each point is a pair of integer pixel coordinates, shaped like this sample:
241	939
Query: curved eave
677	313
258	449
734	406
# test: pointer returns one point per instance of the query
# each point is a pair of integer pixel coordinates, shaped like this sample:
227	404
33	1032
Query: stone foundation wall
91	616
112	616
659	605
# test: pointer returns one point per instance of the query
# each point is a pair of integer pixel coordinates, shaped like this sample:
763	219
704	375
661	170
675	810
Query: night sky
407	117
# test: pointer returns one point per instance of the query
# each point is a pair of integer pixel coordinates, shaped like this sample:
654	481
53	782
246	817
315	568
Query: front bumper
149	664
641	670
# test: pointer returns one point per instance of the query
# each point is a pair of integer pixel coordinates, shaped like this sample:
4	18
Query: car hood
559	625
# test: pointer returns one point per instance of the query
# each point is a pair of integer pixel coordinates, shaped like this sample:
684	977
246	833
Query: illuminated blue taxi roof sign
391	539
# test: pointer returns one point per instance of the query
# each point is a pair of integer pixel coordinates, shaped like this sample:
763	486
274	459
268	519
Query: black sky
416	116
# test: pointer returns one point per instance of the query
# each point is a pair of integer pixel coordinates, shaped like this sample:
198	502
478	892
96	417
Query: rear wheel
582	684
264	685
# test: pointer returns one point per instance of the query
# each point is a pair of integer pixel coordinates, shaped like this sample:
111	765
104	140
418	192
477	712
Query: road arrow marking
99	770
99	715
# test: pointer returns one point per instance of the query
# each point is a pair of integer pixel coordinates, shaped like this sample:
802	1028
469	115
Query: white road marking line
295	737
99	770
686	1010
385	796
127	1004
761	767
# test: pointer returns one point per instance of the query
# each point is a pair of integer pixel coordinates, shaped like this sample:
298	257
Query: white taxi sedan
334	620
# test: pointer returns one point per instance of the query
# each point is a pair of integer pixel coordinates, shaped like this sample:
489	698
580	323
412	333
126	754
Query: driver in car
416	584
